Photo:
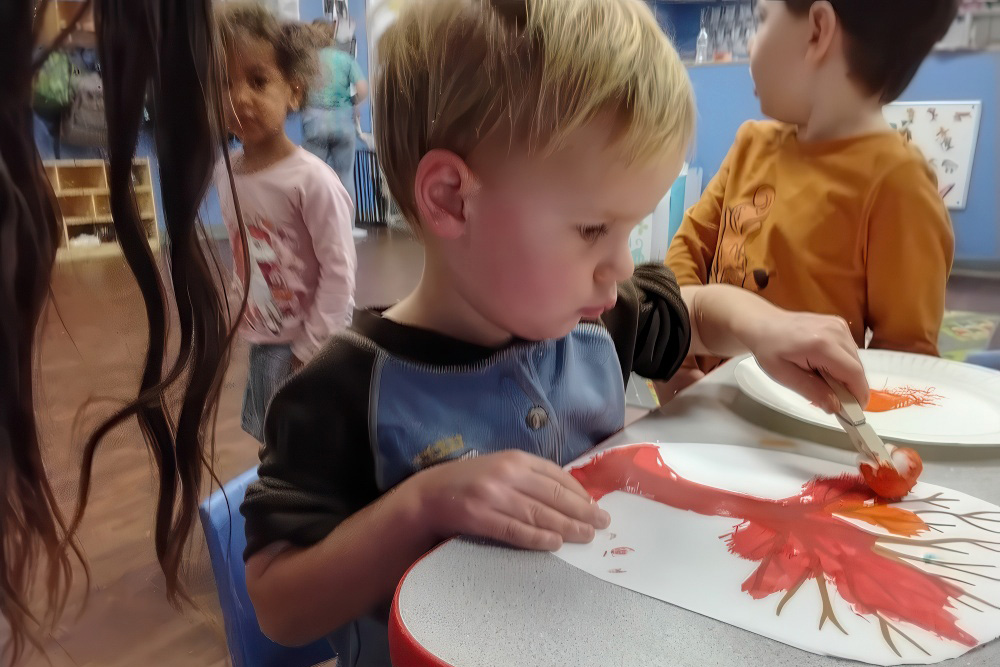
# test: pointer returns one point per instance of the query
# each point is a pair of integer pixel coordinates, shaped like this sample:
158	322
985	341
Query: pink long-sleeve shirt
298	220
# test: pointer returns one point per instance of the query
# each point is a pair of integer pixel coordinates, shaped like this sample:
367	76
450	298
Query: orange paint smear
889	483
885	400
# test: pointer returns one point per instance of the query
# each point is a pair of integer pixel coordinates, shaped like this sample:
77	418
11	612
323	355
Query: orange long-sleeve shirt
852	227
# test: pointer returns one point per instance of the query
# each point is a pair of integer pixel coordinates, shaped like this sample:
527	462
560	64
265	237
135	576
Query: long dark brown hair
30	524
166	47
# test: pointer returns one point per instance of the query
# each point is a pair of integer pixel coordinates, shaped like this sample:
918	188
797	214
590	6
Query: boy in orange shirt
829	210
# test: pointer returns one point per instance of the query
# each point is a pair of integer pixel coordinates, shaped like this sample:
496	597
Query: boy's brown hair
887	40
453	72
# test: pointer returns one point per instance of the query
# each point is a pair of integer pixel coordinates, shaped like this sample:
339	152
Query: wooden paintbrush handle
849	406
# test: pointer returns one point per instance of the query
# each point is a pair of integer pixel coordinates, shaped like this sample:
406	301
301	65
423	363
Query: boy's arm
328	215
727	321
909	255
323	548
656	324
692	250
316	471
301	594
649	324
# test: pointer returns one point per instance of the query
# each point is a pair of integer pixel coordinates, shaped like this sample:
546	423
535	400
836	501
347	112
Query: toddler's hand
791	347
512	496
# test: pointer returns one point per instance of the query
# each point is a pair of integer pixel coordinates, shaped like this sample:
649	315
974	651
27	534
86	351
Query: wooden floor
91	339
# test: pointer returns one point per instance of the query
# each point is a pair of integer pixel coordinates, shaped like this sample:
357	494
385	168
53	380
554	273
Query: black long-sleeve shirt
384	400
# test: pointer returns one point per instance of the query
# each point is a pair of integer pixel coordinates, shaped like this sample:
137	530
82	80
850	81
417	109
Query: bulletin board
946	133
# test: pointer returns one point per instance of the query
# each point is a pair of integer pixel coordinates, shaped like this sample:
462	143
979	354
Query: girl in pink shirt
296	213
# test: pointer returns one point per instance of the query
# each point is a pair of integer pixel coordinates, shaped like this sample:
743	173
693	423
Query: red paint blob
621	551
889	483
806	536
885	400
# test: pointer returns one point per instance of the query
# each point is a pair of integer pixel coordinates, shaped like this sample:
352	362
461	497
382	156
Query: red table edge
404	649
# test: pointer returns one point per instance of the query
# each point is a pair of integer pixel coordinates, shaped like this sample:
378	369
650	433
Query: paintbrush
852	419
879	468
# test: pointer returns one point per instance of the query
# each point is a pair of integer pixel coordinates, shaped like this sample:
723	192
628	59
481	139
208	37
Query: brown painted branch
886	626
980	600
950	566
935	500
938	542
788	596
969	518
828	613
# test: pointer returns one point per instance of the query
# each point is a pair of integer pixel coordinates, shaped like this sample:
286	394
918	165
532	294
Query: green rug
964	332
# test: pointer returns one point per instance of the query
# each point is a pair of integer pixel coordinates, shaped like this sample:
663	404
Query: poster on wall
946	133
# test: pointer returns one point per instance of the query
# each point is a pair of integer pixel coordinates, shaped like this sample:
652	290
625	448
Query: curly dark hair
887	39
294	43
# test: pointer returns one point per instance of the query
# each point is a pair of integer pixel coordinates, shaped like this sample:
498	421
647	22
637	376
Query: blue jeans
329	134
269	367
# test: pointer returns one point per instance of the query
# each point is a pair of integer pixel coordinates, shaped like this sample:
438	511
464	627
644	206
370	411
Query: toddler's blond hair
453	72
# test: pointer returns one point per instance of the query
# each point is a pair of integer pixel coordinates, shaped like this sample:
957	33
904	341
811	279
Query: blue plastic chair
986	358
248	646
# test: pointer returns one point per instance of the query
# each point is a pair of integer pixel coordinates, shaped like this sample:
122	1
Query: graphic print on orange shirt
741	224
271	300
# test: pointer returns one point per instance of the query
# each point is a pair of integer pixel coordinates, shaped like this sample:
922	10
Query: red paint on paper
621	551
799	538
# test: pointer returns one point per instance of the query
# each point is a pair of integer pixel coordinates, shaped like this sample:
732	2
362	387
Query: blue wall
725	100
682	22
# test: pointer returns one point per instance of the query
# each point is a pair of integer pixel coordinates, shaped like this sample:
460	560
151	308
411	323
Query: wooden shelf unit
81	189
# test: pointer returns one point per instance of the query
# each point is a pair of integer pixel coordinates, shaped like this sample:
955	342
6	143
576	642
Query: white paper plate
967	413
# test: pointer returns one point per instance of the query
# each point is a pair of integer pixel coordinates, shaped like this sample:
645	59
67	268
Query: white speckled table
473	604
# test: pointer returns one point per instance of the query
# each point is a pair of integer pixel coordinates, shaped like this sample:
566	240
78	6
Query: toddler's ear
824	23
442	183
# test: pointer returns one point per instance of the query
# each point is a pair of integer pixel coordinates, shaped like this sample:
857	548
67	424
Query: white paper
682	557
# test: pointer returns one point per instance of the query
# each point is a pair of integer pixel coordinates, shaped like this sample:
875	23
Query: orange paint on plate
885	400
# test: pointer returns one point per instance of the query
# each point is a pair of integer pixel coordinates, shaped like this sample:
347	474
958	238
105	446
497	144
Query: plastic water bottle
701	48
